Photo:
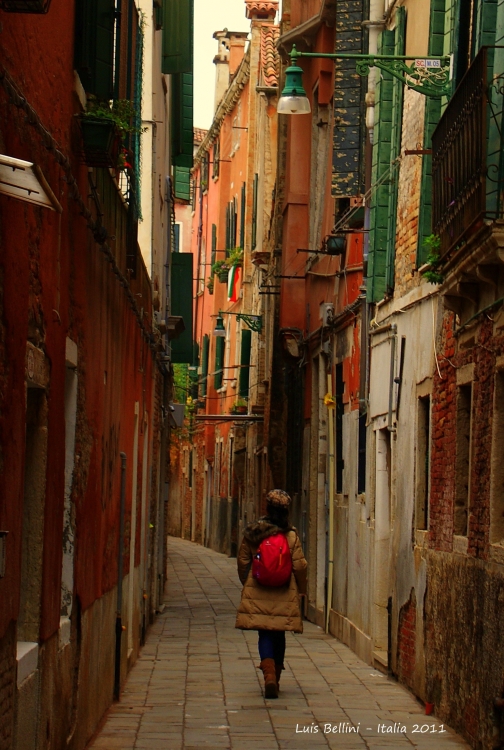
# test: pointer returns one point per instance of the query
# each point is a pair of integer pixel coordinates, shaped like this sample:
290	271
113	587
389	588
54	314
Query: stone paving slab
197	684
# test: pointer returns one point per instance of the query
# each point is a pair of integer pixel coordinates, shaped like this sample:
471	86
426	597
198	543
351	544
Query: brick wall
408	199
406	640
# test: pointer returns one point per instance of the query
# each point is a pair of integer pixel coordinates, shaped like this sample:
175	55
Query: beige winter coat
263	607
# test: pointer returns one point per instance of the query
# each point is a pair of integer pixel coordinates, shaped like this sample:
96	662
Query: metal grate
467	153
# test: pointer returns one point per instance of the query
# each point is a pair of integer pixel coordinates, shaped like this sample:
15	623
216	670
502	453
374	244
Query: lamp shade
293	100
335	244
219	329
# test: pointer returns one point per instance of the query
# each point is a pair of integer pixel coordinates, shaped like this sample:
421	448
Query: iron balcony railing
467	153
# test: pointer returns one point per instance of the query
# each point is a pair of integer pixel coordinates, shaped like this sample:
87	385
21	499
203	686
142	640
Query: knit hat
278	498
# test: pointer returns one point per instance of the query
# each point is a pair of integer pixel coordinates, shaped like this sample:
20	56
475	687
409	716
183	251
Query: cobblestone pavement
196	684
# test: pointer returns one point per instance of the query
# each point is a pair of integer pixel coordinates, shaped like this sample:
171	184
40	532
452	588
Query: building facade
85	374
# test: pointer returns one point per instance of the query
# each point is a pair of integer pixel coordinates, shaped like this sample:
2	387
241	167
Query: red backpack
272	563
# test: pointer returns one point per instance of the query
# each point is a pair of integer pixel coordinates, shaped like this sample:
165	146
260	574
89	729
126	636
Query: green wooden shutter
182	304
182	120
182	183
220	343
381	168
94	46
246	343
228	229
254	211
178	28
214	243
432	115
242	216
395	150
204	364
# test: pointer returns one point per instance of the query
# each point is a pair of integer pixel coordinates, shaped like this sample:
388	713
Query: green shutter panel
395	150
228	229
219	361
181	304
178	27
182	120
94	46
246	343
204	364
182	183
214	243
381	173
254	211
432	115
242	216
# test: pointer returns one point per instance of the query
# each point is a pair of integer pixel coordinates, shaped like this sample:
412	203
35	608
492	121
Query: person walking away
268	607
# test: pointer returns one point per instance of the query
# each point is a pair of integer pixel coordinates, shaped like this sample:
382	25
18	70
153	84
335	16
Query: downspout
393	338
120	554
332	478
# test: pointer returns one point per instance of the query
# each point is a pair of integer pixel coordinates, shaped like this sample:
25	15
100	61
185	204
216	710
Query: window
242	215
462	460
204	364
177	232
204	172
246	343
220	345
94	46
254	210
216	159
423	462
386	149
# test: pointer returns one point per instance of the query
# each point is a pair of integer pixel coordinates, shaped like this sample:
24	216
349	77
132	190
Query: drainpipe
120	553
393	340
332	478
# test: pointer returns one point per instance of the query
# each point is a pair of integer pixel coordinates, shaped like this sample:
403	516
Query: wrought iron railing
467	159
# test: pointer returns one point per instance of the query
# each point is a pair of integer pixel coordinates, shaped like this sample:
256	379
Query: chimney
227	60
261	10
221	61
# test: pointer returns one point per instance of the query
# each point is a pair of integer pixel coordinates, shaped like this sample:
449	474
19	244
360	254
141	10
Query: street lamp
293	100
429	75
219	329
254	322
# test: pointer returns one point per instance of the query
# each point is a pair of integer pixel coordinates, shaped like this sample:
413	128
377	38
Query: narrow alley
196	683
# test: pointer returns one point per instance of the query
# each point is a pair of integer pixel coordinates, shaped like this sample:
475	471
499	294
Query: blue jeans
272	645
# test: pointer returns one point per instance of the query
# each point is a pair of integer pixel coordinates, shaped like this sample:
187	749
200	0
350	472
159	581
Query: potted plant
221	268
240	406
235	257
103	128
210	284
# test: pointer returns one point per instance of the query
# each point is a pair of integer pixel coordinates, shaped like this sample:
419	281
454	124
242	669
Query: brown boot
278	673
270	682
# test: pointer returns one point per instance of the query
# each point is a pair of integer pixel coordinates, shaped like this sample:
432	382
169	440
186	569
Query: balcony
467	157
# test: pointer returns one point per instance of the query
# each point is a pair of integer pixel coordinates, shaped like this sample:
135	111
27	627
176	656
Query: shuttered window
254	211
182	183
242	216
181	304
182	120
178	26
432	115
385	171
214	243
204	364
220	344
94	46
246	343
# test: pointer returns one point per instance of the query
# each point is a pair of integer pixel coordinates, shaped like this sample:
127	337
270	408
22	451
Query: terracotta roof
199	134
269	55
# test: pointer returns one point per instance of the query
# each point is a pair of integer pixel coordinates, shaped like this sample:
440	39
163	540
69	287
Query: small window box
101	142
